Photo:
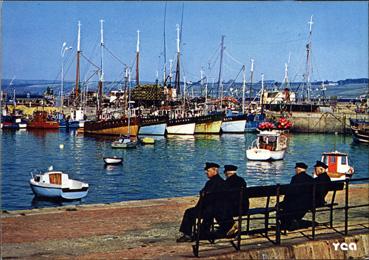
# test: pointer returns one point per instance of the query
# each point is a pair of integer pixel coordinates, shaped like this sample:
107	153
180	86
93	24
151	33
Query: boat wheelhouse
338	165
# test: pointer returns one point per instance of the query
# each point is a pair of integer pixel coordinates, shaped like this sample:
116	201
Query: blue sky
33	34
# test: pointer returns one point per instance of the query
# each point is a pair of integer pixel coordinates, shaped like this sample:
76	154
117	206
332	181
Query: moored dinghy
57	185
113	160
124	142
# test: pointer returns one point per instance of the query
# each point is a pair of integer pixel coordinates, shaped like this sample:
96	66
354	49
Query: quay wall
321	122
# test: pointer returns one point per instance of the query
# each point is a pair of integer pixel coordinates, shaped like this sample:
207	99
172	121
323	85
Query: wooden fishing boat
360	130
209	124
41	120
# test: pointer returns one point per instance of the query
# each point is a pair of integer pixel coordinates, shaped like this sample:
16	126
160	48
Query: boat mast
170	71
165	48
262	93
137	58
243	88
286	82
220	85
78	57
129	101
184	96
178	78
308	60
251	78
101	78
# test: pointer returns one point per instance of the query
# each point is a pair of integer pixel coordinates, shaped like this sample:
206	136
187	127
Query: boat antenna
101	78
243	88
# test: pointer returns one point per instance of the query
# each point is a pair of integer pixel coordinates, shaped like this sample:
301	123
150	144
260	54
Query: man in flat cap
210	206
298	198
323	182
234	183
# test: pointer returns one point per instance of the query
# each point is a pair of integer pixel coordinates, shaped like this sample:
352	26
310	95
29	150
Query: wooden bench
264	212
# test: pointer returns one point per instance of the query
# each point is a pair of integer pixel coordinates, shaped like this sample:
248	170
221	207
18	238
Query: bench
266	192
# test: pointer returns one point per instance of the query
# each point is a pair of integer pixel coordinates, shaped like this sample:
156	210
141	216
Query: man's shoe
184	238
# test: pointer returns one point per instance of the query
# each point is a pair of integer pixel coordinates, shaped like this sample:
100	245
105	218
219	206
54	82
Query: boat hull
208	127
182	129
112	160
58	192
156	129
234	126
255	154
111	127
43	125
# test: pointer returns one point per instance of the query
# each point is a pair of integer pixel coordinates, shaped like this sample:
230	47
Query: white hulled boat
268	146
234	124
338	167
57	185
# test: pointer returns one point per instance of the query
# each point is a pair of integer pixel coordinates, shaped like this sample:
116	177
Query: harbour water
172	167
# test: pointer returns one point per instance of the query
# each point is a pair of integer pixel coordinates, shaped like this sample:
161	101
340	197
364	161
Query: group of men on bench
223	208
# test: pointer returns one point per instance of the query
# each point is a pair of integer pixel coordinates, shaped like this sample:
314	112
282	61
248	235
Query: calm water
172	167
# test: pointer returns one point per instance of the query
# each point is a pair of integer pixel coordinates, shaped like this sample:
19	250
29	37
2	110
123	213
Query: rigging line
89	61
121	62
234	59
236	77
180	33
165	45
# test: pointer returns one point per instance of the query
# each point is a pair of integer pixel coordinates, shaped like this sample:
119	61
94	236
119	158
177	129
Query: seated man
323	181
234	183
212	207
297	200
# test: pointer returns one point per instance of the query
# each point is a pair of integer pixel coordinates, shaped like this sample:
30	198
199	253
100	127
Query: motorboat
338	165
57	185
268	146
147	140
124	142
113	160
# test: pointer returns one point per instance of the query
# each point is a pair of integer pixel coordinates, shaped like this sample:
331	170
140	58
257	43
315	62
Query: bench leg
248	224
331	217
266	224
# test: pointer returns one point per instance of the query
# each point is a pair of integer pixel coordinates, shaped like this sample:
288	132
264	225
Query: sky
271	33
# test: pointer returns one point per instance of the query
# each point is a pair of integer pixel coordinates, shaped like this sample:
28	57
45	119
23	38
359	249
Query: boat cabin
337	163
271	140
55	178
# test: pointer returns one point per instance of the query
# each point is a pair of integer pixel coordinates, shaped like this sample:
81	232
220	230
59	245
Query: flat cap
211	165
230	167
301	165
320	164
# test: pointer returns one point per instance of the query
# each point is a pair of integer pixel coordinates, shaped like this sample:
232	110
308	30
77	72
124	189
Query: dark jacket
323	182
233	185
215	186
300	196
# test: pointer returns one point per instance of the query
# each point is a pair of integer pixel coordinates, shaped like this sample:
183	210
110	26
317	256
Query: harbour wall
321	122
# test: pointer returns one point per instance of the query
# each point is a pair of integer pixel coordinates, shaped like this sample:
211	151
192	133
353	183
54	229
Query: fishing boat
234	124
153	125
57	185
41	120
113	160
77	119
338	165
268	146
13	122
360	130
209	124
181	126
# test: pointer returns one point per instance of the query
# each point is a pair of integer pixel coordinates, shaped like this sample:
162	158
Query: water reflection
45	202
275	167
113	169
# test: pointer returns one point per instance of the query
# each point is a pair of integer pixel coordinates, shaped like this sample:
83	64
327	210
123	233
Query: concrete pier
147	229
321	122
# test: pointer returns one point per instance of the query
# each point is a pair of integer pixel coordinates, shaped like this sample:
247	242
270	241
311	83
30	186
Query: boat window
332	159
55	178
343	160
325	160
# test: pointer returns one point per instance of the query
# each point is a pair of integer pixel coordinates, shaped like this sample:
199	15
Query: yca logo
344	246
